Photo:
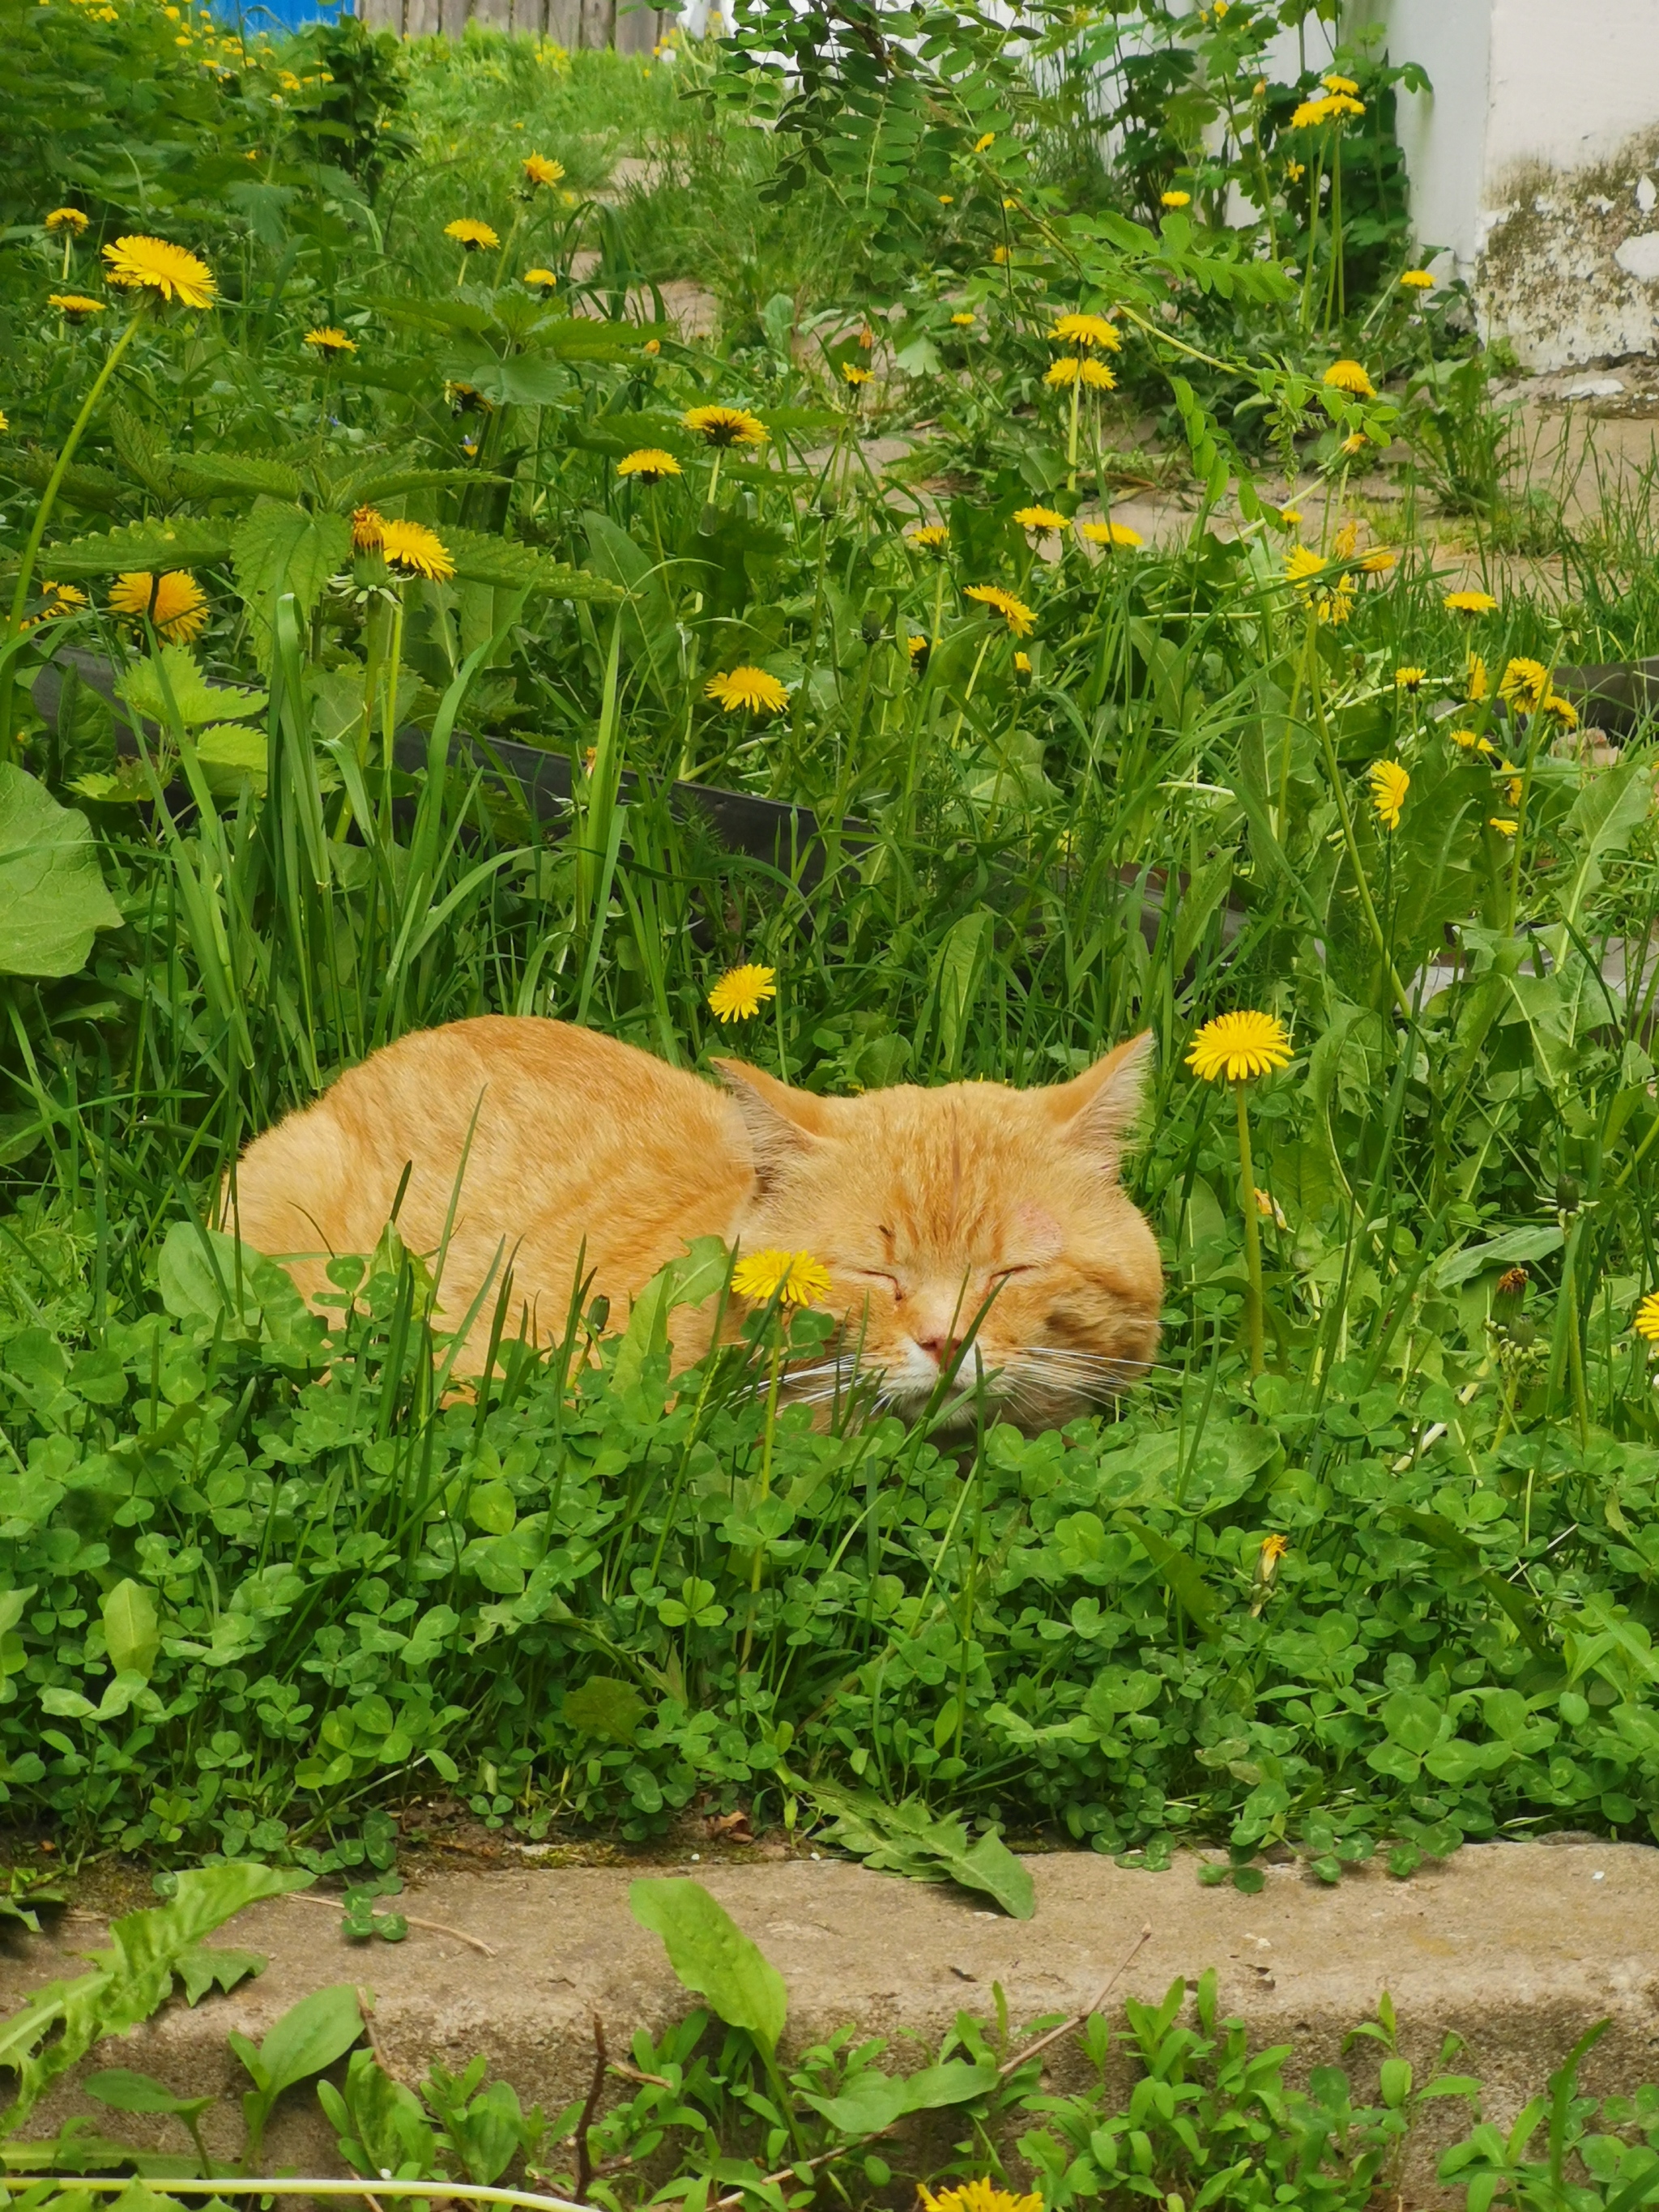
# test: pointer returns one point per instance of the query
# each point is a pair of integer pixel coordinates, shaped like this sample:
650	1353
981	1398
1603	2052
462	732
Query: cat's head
933	1209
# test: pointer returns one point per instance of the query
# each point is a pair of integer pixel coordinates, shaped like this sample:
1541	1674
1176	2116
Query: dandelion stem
1253	1328
43	515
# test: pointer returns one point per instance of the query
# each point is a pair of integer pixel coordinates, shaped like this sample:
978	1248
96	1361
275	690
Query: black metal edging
785	837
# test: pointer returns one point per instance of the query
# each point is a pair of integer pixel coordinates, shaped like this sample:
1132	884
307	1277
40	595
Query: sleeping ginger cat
920	1204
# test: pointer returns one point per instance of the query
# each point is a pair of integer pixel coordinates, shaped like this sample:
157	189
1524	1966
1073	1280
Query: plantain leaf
711	1955
132	1628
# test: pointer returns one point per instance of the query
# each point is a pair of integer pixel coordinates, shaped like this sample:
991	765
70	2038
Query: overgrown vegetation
1367	1562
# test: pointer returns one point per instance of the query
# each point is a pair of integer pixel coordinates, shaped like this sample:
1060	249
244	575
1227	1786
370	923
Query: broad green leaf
132	1629
524	382
53	899
220	475
1181	1577
124	2090
699	1274
712	1957
231	756
604	1706
1604	817
907	1839
172	675
310	2036
481	559
186	543
873	2100
958	970
1506	1251
280	548
57	2027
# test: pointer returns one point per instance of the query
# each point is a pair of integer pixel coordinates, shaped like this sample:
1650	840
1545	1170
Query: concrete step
1516	1948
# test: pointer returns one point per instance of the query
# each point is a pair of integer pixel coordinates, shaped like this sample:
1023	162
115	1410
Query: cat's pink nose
941	1346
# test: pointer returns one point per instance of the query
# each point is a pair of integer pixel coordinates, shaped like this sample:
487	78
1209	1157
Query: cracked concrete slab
1515	1947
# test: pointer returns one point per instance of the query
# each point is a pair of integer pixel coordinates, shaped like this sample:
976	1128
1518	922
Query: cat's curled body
580	1152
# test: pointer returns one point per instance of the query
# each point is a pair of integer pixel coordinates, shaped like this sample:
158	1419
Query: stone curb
1515	1947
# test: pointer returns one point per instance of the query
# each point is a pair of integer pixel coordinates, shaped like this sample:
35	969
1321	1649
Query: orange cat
920	1204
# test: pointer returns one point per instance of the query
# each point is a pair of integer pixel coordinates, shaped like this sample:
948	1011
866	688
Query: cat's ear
782	1124
1096	1109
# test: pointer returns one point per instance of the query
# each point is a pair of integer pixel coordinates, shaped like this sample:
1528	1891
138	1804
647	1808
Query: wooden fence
630	28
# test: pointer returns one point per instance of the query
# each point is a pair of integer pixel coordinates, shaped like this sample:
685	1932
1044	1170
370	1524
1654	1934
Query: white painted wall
1528	163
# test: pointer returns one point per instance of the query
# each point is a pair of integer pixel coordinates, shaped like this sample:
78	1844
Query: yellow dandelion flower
1349	376
1015	612
538	170
947	199
1022	663
1418	280
1112	533
1409	679
964	321
539	279
330	340
1087	331
1468	739
414	550
1476	683
1000	256
740	992
151	264
978	2196
1314	112
1355	443
1525	683
984	144
1063	372
929	536
1176	199
476	237
726	426
1564	710
854	374
1376	562
1647	1318
916	647
74	306
1469	603
1301	565
794	1278
1389	784
650	464
748	691
63	598
1039	518
1504	827
174	602
1334	83
368	530
67	218
1239	1047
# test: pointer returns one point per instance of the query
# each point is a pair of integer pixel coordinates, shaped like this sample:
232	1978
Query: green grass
262	1585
